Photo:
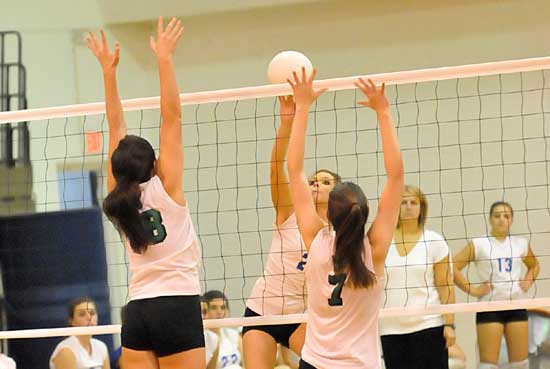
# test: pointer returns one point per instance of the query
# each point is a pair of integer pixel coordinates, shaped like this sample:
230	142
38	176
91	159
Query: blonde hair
417	192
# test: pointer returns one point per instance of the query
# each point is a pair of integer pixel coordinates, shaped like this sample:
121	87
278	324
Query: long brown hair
132	163
348	211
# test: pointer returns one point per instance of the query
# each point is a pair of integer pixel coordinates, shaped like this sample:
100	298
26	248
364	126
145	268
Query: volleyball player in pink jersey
282	288
163	326
344	267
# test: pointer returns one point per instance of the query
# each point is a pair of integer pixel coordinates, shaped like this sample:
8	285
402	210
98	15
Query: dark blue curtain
47	260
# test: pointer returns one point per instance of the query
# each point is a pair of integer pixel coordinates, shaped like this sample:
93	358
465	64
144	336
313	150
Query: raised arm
170	163
381	232
115	116
309	222
280	190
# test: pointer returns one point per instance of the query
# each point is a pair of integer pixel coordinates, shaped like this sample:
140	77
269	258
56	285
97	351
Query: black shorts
503	317
417	350
165	325
305	365
280	332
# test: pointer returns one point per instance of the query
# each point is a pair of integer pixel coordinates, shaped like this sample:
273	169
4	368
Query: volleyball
284	63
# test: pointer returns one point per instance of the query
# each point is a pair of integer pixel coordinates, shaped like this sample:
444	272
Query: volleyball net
470	135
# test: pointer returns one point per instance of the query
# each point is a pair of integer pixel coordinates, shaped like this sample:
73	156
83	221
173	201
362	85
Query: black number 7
335	297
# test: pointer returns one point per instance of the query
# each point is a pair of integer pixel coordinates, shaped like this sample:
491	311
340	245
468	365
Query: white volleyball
284	63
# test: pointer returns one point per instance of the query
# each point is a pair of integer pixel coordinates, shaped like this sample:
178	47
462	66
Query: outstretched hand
287	108
107	59
167	38
376	98
304	94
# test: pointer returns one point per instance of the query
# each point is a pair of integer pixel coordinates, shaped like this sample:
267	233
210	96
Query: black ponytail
122	207
132	163
348	212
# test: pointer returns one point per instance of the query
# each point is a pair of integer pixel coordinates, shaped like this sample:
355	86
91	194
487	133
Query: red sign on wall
93	142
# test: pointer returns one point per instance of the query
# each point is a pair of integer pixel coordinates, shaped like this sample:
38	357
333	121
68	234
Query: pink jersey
171	265
282	288
344	335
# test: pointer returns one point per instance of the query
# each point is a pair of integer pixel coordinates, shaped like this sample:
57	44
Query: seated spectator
223	345
6	362
81	352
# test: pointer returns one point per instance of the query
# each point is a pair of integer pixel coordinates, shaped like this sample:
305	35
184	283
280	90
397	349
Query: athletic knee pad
487	366
519	364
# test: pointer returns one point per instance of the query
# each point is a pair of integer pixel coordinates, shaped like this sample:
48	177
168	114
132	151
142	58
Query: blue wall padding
47	260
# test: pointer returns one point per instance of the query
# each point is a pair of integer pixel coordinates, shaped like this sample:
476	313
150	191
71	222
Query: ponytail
132	163
122	207
348	212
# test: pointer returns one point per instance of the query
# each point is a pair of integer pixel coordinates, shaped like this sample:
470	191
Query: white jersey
84	360
501	264
171	266
210	344
539	331
7	362
282	288
410	281
229	354
342	325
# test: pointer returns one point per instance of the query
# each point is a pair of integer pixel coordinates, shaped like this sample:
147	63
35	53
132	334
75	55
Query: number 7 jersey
342	326
170	266
501	264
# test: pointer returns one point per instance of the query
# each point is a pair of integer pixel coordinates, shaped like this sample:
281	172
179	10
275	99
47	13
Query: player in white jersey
81	352
282	287
418	272
345	266
223	345
500	259
7	362
146	203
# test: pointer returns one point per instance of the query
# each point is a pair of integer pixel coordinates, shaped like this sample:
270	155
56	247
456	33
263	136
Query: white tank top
282	288
340	336
7	362
84	360
171	266
501	263
229	355
210	344
410	281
